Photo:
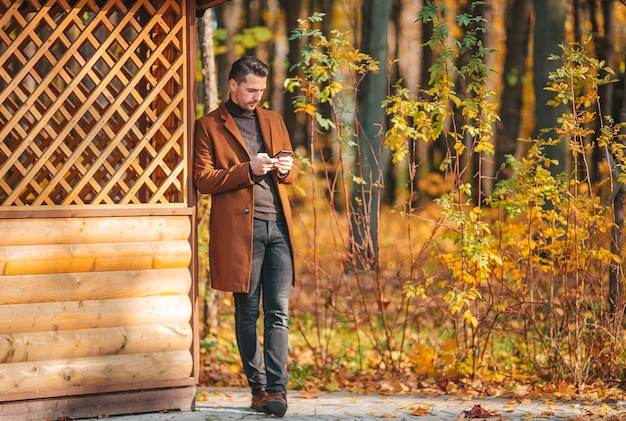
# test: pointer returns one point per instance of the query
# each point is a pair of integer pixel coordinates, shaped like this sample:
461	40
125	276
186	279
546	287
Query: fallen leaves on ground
215	373
305	394
221	367
421	410
478	411
594	417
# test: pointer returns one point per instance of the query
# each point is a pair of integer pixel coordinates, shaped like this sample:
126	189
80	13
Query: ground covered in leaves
221	367
428	363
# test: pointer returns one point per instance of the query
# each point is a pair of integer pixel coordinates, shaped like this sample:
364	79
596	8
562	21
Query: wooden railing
92	103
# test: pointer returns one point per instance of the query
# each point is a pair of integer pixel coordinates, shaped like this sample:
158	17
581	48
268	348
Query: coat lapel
266	130
231	126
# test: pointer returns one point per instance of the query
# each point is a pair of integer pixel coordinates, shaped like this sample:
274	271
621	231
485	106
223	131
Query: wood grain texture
85	343
67	258
40	375
81	286
17	232
82	405
94	314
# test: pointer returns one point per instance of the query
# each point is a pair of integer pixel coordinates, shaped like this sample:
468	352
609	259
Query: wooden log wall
94	301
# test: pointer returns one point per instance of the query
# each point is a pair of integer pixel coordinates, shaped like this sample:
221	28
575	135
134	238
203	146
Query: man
238	160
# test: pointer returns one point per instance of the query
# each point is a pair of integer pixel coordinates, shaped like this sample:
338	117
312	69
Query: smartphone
283	152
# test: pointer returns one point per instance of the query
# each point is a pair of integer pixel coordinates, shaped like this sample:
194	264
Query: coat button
246	211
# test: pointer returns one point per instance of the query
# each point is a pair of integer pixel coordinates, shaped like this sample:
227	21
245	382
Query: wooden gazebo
97	207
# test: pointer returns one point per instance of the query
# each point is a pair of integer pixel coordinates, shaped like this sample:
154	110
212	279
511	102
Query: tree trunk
616	281
486	165
471	162
423	155
297	131
549	33
369	167
227	15
409	57
579	20
409	41
605	51
209	71
209	98
511	100
616	288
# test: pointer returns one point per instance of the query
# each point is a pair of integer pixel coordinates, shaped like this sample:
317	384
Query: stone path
233	404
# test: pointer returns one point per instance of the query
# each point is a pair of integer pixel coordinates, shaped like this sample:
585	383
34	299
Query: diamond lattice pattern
92	102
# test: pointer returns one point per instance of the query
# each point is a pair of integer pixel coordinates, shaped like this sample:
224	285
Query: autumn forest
460	208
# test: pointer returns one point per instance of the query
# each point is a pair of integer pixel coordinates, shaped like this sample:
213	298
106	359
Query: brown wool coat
221	169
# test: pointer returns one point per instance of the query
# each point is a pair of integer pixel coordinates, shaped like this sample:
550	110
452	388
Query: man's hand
283	164
261	164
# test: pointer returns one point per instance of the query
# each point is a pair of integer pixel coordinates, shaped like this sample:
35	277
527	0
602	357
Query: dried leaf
478	411
421	410
202	396
305	394
386	387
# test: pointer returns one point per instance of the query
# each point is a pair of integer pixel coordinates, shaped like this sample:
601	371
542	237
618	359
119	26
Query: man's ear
232	83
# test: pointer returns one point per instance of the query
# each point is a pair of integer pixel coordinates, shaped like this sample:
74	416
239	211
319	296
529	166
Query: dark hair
247	65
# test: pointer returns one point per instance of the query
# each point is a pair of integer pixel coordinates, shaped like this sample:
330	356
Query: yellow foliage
470	319
306	108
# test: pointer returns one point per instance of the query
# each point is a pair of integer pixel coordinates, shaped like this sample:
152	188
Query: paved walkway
233	404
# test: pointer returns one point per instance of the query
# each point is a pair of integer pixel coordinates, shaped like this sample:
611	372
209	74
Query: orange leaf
421	410
307	395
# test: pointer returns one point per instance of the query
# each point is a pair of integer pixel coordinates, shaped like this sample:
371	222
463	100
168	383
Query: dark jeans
271	279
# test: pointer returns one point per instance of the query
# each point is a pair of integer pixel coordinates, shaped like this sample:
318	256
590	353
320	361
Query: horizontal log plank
85	343
91	211
97	405
71	315
93	230
39	288
54	374
67	258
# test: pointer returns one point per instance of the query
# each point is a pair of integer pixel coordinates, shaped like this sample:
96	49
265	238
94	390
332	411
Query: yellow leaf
469	318
307	108
335	87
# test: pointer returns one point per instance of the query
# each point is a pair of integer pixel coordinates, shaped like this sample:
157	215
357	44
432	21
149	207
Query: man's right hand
261	164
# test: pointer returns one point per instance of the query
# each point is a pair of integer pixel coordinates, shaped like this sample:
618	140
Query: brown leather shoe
276	403
258	400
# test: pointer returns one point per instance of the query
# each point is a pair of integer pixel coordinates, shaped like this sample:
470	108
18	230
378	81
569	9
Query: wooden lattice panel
92	102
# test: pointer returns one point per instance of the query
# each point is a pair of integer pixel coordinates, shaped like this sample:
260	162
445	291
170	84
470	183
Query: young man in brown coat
243	159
